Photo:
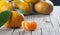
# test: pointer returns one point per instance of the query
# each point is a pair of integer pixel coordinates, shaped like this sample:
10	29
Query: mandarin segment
23	25
30	26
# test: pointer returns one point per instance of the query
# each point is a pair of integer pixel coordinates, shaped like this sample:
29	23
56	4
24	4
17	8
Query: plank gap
51	22
13	31
58	22
22	32
41	31
31	32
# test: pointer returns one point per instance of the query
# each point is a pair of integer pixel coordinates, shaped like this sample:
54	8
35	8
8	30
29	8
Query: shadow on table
36	14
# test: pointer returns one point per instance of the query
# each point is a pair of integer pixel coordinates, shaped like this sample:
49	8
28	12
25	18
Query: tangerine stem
12	4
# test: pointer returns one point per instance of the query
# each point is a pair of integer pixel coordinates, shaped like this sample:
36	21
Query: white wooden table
47	25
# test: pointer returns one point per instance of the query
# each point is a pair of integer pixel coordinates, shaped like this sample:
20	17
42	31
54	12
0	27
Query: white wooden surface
47	25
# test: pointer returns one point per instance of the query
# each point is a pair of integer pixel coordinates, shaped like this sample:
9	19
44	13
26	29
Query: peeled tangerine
30	26
15	20
43	7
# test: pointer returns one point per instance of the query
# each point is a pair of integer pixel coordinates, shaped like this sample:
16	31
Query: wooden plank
5	31
20	31
44	25
58	20
55	24
26	33
42	29
54	19
16	32
45	28
56	11
36	32
48	26
38	19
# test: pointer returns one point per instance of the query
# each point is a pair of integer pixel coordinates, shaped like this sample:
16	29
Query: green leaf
21	11
4	17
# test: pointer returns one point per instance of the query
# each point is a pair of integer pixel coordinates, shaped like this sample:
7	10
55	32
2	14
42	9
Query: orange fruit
16	3
5	6
25	7
31	1
30	26
43	7
50	2
15	20
4	0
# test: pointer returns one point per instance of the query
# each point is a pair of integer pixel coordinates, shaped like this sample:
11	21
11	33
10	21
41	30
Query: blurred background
56	2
